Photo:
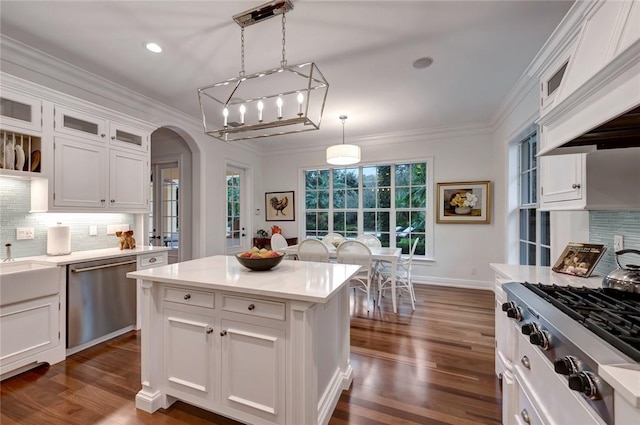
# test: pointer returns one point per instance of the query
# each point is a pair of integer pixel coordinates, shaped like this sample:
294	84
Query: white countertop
292	280
625	380
93	254
544	275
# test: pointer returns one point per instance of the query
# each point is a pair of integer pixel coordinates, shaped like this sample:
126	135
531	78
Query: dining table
378	254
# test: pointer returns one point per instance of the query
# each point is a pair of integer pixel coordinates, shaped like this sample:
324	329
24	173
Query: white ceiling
364	48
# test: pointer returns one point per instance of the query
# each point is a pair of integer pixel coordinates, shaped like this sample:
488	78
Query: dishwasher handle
103	266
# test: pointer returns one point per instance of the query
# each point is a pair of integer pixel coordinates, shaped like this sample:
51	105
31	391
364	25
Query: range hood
597	104
620	132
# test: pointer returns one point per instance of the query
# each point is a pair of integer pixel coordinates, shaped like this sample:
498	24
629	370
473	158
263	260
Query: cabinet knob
575	186
113	137
525	416
102	135
223	333
103	200
525	362
209	330
251	307
187	296
113	200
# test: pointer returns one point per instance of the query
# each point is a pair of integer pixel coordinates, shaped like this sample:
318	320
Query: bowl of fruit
260	259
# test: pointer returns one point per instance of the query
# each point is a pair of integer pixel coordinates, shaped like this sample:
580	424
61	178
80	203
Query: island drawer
253	307
189	297
152	260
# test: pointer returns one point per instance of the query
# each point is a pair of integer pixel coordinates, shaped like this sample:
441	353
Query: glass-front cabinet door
76	123
128	137
19	110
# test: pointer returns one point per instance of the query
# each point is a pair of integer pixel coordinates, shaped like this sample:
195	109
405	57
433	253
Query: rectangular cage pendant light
283	100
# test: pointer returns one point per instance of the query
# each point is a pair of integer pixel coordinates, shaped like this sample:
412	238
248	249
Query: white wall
462	252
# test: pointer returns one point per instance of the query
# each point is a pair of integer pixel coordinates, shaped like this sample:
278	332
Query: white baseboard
453	283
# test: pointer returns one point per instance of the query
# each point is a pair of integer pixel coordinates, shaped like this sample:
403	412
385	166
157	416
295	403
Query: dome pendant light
343	154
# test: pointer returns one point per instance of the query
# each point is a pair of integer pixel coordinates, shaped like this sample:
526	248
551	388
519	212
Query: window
535	231
388	201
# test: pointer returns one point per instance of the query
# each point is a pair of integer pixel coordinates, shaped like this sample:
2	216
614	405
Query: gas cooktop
611	314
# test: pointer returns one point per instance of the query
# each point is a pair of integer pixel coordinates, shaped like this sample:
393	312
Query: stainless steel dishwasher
101	301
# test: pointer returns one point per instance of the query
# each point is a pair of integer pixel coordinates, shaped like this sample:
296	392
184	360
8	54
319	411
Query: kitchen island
259	347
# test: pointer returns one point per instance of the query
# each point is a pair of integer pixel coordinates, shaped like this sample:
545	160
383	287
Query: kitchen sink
26	280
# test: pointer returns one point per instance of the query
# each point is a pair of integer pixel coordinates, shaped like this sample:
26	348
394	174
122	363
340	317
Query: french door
235	232
164	219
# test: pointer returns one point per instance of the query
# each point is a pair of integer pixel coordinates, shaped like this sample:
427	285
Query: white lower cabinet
252	374
189	373
233	363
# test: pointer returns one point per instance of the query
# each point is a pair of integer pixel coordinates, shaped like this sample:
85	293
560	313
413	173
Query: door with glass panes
164	219
235	236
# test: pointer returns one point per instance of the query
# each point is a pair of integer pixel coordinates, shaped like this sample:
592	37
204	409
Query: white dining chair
334	239
355	252
369	240
403	277
279	242
313	250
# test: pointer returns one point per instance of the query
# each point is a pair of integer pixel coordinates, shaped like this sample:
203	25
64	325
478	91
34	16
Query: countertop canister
58	240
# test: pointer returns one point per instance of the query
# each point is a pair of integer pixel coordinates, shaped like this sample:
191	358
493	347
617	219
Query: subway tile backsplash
603	225
15	202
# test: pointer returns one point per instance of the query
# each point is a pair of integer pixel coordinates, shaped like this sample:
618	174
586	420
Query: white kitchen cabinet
602	180
32	323
20	110
252	374
80	174
80	124
189	373
128	137
233	361
128	181
85	176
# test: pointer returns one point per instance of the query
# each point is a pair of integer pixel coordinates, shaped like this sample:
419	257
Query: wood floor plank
433	365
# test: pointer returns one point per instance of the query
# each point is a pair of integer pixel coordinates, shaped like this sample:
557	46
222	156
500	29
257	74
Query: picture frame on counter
464	202
579	259
279	206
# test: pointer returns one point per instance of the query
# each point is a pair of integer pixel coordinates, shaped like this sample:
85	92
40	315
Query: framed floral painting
464	202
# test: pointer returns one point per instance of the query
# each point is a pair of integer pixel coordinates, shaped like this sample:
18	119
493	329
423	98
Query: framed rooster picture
279	206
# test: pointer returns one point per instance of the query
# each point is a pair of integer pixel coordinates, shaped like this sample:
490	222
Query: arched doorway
170	222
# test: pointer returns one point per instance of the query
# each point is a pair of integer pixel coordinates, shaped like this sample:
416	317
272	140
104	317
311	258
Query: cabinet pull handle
153	259
525	416
187	296
103	200
525	362
113	200
223	333
251	307
575	186
209	330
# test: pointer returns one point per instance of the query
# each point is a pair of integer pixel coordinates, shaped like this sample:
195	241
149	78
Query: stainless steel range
578	330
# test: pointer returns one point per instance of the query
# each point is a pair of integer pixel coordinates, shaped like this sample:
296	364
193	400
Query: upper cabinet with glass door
80	124
20	110
128	137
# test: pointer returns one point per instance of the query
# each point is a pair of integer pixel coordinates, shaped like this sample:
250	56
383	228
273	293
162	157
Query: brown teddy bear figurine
126	239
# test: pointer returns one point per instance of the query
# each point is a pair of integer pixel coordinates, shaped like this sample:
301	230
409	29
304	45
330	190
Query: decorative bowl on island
260	260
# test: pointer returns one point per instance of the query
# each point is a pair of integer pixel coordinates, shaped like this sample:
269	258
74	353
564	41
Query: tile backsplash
15	201
603	225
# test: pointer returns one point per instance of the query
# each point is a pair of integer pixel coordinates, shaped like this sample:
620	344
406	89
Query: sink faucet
8	256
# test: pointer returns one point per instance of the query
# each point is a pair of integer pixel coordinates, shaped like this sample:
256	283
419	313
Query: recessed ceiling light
422	63
153	47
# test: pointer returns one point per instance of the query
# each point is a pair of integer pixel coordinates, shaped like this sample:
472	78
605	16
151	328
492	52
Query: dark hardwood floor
431	366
